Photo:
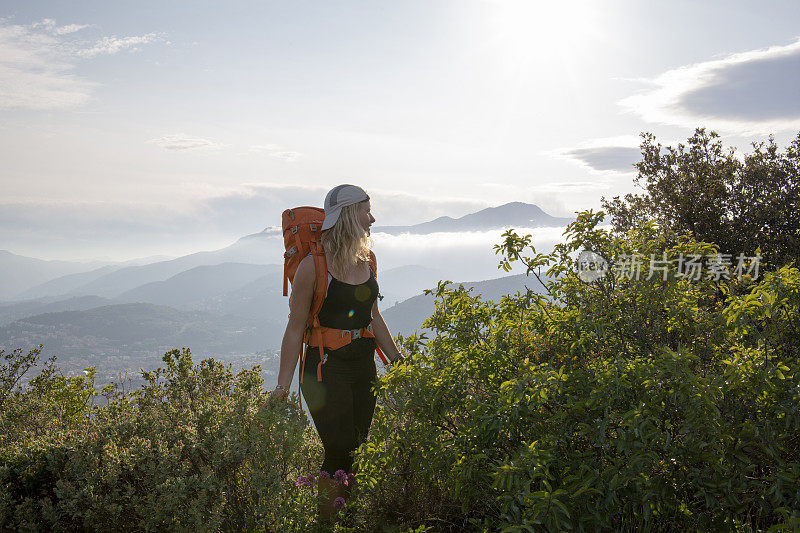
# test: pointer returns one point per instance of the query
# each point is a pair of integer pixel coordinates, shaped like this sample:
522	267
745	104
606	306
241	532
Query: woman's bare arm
302	296
382	336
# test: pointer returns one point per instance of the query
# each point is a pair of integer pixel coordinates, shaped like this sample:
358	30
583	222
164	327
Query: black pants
341	404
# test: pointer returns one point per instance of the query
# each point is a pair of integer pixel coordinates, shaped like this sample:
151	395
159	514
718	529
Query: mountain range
18	272
223	302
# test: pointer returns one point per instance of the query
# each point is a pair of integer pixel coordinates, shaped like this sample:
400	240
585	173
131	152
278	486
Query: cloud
69	28
119	230
749	92
34	70
276	151
258	205
78	230
200	217
112	45
604	156
216	218
37	62
575	186
462	256
181	142
607	158
250	208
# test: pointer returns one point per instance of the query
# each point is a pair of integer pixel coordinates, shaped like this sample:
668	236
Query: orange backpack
301	237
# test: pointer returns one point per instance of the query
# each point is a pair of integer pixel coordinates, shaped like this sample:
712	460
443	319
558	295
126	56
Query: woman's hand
276	397
280	394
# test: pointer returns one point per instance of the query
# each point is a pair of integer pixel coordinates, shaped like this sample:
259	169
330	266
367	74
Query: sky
131	129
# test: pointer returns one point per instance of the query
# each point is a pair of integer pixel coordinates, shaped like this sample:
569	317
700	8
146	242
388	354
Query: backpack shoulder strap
313	333
373	263
320	285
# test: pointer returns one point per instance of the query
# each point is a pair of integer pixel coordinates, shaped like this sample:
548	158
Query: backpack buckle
294	229
313	227
354	333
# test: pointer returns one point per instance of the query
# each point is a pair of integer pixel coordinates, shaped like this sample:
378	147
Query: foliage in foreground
193	450
621	404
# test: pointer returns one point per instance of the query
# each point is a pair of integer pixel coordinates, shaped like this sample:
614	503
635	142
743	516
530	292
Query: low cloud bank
198	219
462	256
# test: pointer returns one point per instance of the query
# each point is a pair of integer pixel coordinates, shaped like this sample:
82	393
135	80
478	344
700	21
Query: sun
534	31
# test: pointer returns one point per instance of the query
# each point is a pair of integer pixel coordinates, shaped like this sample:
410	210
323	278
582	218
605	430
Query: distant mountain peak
519	214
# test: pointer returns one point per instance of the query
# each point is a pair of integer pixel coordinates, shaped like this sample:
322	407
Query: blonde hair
347	242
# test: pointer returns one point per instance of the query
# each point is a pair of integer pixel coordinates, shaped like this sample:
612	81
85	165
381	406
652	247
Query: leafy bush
624	403
48	406
701	188
194	449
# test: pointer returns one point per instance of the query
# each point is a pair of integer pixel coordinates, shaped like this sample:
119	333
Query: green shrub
194	450
619	404
47	407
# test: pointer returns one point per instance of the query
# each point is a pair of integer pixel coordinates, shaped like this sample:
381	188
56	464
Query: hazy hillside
64	284
126	337
262	297
15	311
514	214
138	327
249	291
115	283
407	316
19	273
191	287
401	283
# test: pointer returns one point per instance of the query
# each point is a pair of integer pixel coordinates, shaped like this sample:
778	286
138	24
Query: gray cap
339	197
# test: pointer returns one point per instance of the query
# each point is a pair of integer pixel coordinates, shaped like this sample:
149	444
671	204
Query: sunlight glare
532	31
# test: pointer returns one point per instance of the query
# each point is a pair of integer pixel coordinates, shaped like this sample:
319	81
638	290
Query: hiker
336	381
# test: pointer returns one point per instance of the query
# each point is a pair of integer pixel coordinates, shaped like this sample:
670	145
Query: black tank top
349	306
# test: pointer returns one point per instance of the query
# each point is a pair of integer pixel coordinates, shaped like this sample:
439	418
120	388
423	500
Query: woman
342	403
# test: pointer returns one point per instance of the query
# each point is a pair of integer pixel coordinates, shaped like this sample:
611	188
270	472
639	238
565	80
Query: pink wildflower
305	481
324	475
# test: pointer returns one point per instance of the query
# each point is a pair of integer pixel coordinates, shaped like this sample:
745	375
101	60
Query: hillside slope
407	316
197	284
139	329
